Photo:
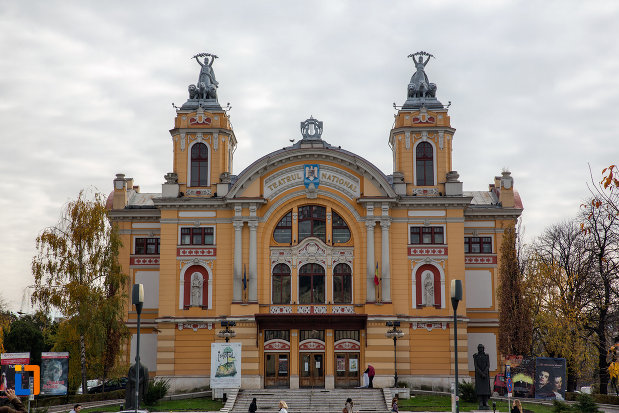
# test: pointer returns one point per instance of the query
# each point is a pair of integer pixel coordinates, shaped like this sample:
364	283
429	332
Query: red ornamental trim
312	345
276	345
200	120
196	252
429	119
479	260
427	251
347	345
144	261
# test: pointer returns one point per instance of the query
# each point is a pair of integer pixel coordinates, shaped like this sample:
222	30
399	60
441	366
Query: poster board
225	365
54	373
8	361
550	378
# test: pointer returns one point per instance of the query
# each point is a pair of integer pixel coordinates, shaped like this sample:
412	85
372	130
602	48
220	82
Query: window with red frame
281	284
198	236
424	164
342	284
312	284
427	235
283	230
147	246
199	165
312	222
474	245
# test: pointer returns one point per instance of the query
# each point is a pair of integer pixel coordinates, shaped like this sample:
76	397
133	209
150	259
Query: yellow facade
311	250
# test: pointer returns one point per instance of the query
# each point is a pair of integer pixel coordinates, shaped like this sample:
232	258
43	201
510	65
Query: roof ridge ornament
311	129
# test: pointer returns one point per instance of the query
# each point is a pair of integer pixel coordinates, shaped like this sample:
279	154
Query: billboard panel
225	365
550	378
54	373
8	361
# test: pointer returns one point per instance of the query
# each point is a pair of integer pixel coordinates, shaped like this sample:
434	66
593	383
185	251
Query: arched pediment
333	168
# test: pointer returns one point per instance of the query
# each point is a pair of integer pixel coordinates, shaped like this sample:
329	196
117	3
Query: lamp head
137	297
456	290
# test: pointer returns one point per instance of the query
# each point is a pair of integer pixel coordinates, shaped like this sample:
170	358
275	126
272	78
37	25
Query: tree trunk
83	363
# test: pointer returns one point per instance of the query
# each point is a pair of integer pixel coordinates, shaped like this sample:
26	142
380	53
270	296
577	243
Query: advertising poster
523	375
550	378
225	365
353	365
54	373
341	364
8	361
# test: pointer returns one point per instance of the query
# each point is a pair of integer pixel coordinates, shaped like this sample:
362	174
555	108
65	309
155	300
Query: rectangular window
477	245
147	246
427	235
198	236
276	334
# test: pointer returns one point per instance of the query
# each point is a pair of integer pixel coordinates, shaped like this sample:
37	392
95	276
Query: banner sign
8	361
54	373
225	365
550	378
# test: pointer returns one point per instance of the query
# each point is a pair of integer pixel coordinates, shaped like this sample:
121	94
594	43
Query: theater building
311	250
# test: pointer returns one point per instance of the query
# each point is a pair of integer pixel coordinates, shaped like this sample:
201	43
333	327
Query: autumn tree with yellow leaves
76	272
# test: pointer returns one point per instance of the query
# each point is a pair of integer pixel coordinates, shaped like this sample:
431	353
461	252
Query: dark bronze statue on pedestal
131	385
482	377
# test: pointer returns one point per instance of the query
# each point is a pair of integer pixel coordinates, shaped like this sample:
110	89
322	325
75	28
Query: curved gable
355	177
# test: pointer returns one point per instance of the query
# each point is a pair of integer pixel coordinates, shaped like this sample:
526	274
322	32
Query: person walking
394	404
253	406
283	407
370	371
16	406
76	408
516	406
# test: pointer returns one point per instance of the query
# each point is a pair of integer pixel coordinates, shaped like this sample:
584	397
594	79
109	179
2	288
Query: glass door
346	370
276	370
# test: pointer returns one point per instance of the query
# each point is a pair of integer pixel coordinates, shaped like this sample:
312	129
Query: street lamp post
227	333
137	297
456	297
395	334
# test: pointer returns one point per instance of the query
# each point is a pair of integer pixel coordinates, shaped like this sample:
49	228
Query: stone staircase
311	400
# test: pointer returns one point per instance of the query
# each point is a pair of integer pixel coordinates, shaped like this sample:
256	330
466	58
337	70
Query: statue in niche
419	86
428	289
206	87
196	289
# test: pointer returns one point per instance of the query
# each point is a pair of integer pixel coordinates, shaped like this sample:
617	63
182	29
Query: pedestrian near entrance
370	372
253	406
283	407
348	407
394	404
16	406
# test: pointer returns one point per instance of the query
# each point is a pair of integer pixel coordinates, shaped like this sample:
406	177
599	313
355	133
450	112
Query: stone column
385	271
237	282
252	283
371	290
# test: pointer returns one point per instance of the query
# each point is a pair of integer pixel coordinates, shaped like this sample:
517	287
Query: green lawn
204	404
421	403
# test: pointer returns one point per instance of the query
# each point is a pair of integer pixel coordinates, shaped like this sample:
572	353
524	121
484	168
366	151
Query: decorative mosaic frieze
145	260
342	309
194	326
281	309
413	251
347	345
425	191
429	326
201	191
276	345
312	345
196	252
468	259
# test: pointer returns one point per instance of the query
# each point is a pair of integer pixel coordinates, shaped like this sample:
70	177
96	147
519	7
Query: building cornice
435	201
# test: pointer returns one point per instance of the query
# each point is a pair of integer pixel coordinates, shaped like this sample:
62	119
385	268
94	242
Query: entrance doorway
346	370
276	370
312	370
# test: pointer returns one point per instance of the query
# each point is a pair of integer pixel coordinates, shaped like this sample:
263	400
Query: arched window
311	284
341	232
428	286
342	284
199	165
281	284
283	230
195	292
424	164
312	222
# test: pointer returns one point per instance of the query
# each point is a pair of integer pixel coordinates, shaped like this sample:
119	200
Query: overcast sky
86	91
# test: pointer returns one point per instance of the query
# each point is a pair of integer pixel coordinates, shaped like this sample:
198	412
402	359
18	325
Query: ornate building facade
311	250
